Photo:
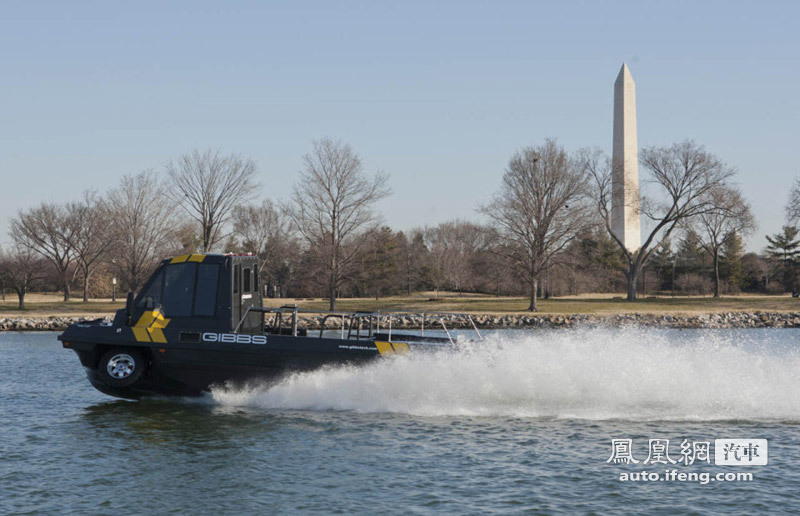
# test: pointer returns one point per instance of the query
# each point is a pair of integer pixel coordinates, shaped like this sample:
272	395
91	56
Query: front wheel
121	367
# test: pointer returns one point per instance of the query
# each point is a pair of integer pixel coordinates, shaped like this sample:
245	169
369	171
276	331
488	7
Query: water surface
521	422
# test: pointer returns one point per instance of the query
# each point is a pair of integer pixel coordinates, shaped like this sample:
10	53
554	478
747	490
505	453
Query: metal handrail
359	316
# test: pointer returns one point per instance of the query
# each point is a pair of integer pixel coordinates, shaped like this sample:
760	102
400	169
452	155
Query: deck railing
357	325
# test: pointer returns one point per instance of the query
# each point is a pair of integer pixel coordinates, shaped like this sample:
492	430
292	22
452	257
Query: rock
453	321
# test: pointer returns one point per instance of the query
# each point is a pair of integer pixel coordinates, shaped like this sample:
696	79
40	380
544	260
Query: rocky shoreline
483	321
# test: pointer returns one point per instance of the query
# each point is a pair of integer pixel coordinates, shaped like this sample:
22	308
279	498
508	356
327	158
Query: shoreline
711	320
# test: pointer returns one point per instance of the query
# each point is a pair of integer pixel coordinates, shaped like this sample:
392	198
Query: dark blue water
522	422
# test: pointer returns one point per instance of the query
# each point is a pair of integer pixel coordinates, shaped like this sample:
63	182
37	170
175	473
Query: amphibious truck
199	321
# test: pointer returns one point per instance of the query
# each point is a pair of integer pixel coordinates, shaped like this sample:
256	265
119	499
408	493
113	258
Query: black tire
121	367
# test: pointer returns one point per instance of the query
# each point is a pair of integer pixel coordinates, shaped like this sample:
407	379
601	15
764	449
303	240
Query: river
522	421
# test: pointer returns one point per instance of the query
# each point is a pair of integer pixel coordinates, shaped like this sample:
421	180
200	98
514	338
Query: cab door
250	297
236	294
246	293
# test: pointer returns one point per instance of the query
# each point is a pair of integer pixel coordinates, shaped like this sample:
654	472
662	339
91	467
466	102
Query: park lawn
600	305
47	304
44	305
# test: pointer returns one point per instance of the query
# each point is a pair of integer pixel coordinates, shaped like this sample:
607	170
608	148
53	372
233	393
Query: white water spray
636	374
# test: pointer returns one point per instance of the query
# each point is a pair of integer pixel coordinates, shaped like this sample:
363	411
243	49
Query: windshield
182	290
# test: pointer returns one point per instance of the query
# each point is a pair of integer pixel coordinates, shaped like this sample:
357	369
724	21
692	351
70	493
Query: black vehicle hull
199	322
159	380
176	368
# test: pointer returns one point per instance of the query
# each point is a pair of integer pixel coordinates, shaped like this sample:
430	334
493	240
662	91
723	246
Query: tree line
545	232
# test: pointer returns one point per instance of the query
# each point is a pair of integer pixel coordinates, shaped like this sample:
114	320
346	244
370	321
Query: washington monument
625	163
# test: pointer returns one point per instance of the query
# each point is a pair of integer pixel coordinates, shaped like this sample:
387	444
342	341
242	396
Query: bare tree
90	234
729	215
682	177
264	229
48	231
453	249
208	186
540	208
331	205
142	222
793	206
187	236
20	268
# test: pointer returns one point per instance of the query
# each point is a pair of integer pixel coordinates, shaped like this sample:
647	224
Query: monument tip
624	72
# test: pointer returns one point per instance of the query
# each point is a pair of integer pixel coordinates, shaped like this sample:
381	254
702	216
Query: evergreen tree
412	260
600	251
381	262
690	256
599	258
753	272
730	265
784	248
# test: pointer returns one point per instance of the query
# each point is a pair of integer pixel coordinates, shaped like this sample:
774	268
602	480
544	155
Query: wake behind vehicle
199	321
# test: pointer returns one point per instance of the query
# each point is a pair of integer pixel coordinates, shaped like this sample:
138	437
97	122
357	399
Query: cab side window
246	277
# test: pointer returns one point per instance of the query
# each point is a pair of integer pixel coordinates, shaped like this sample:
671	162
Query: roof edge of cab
206	257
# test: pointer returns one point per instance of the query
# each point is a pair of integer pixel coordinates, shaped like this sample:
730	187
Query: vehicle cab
200	291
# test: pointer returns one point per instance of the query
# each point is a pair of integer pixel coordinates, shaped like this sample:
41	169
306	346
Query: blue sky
437	94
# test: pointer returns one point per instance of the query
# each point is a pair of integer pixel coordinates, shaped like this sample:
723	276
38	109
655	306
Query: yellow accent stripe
141	334
188	258
149	327
400	347
384	347
146	319
390	348
156	327
140	328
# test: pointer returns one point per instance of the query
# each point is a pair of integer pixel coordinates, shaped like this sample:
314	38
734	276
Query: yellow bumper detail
390	348
400	347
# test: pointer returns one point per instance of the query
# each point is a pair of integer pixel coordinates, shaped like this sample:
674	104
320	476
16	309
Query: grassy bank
591	304
43	305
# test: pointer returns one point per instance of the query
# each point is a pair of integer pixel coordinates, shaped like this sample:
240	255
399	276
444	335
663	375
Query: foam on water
639	374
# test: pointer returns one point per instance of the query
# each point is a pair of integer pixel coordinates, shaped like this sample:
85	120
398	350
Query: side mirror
129	309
